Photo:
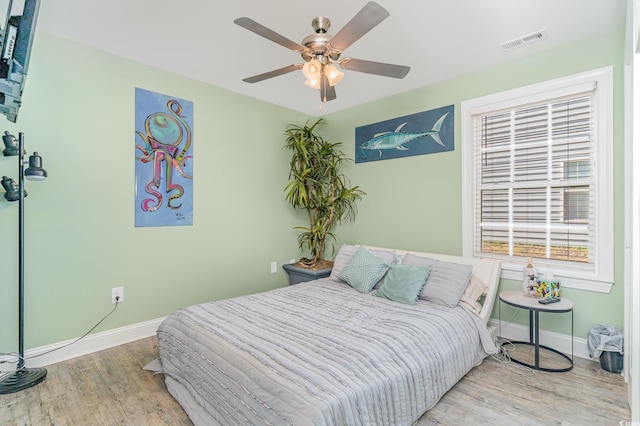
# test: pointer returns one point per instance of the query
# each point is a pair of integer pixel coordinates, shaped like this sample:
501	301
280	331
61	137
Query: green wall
81	241
415	203
78	113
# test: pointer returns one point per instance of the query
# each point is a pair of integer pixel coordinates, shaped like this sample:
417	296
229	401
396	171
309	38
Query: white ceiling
438	39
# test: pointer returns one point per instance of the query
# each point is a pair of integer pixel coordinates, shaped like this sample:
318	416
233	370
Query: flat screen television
17	38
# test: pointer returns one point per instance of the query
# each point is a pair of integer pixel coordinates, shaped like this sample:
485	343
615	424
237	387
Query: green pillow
404	283
364	270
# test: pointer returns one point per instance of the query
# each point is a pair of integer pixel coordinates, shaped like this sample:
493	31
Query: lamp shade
312	69
334	75
12	192
313	83
35	170
11	145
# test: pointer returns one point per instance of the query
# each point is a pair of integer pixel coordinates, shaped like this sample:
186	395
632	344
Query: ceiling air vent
525	39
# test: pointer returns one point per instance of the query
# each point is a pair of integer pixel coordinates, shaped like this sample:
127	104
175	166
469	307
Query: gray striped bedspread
317	353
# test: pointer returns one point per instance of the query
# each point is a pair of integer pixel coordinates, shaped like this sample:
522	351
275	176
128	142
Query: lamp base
22	379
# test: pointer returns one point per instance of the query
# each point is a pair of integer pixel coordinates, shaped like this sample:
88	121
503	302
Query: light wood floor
110	388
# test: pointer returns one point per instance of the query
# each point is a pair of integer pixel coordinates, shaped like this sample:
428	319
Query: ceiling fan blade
265	32
274	73
327	91
363	22
378	68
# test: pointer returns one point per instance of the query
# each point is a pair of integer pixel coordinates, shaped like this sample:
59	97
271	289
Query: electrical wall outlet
274	267
292	261
117	292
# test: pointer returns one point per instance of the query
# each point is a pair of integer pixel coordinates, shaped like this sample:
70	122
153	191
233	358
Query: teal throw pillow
364	270
404	283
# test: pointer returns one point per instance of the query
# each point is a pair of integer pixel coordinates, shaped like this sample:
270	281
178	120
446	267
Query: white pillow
447	281
472	294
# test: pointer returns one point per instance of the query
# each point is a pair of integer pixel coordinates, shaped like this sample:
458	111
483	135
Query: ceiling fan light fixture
321	51
312	69
314	83
334	75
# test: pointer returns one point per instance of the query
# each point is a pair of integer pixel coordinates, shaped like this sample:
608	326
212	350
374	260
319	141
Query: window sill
567	279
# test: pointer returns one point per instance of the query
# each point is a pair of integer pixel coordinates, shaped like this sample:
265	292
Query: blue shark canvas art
425	132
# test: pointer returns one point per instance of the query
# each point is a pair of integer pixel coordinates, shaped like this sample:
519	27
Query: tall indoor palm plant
317	186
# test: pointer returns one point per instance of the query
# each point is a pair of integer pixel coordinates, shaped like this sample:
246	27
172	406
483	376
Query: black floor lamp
23	377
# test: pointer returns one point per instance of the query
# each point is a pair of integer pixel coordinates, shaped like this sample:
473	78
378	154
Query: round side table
518	299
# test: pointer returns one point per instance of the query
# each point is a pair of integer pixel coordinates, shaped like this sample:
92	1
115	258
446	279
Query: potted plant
318	187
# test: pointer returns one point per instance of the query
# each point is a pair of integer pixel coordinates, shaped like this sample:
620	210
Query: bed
324	352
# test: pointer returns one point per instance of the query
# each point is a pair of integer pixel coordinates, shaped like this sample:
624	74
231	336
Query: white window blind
538	178
534	182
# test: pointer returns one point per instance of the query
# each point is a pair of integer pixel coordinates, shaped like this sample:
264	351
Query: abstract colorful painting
164	160
425	132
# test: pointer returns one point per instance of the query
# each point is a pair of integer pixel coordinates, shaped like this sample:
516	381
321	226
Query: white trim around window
599	277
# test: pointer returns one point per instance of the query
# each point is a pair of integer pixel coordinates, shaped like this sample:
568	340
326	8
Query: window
538	181
576	198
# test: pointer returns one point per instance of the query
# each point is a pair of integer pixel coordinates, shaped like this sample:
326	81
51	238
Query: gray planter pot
300	275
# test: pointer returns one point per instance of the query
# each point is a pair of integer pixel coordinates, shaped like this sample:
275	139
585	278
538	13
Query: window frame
601	279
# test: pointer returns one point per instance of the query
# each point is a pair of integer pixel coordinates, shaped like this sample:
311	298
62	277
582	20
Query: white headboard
487	270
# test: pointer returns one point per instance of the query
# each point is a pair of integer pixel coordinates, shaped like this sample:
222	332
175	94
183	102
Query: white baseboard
39	357
560	342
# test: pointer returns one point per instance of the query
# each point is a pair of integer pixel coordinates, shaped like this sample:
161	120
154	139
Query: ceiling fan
321	51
